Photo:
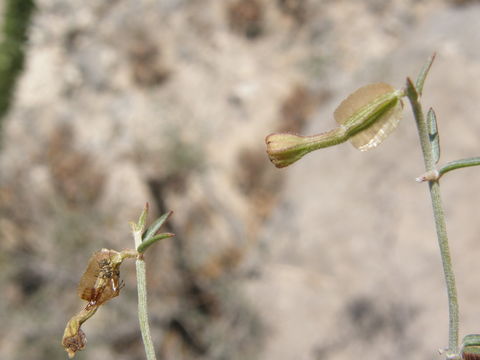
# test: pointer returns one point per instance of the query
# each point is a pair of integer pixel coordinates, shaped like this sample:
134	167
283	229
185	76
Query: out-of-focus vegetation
14	35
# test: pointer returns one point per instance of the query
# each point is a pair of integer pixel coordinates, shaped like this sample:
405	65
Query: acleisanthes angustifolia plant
101	282
366	118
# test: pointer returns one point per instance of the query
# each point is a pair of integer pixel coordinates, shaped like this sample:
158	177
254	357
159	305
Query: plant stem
142	299
142	309
439	217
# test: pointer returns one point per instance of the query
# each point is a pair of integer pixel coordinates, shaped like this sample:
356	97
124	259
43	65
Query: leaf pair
145	238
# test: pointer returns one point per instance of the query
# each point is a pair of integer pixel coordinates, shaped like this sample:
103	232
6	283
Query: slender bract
433	135
423	74
366	118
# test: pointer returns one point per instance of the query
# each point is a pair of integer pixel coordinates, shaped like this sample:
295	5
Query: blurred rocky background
122	102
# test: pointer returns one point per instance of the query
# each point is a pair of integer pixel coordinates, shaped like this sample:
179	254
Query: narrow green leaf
140	225
433	134
410	90
423	74
152	230
147	243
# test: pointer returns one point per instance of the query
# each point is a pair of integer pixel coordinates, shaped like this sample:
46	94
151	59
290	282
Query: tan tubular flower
284	149
99	283
366	118
74	338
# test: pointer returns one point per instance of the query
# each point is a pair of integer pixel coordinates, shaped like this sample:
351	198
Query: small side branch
436	174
